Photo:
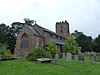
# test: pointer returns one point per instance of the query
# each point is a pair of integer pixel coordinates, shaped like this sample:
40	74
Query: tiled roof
34	31
49	31
57	41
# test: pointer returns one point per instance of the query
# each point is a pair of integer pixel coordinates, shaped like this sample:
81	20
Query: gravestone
79	50
64	56
81	57
93	57
69	57
56	60
87	53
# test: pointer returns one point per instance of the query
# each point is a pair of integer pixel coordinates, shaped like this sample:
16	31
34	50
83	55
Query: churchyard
79	65
47	62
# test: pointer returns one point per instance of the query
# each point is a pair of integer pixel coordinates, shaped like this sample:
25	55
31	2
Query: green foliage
96	44
4	30
52	48
3	51
13	32
70	45
85	42
38	53
76	34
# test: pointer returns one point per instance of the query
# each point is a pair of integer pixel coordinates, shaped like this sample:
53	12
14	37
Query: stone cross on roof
29	22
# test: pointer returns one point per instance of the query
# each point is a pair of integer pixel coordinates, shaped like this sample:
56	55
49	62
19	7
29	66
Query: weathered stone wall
23	52
62	28
35	41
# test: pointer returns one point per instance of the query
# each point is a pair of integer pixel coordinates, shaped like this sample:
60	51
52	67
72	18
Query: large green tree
4	30
96	44
75	34
70	45
85	42
12	35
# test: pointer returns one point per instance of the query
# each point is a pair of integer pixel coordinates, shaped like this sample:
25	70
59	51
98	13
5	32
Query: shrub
52	48
70	45
38	53
4	52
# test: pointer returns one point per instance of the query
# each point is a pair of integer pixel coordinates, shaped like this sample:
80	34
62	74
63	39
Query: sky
82	15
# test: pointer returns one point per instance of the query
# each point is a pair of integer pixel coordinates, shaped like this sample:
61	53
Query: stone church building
32	36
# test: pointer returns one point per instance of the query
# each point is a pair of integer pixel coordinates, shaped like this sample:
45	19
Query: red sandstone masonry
44	38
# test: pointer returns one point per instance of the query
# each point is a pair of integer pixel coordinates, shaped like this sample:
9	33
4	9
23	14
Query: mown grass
24	67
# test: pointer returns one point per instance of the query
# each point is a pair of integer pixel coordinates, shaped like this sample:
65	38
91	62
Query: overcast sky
82	15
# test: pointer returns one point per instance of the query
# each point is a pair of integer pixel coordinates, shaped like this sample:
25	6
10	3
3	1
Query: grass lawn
24	67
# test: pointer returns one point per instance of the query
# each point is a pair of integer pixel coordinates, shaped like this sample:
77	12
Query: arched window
24	41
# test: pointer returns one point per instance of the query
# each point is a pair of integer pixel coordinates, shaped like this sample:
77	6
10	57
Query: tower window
61	31
24	41
61	27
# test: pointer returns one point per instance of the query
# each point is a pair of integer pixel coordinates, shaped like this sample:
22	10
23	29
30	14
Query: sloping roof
34	31
57	41
49	31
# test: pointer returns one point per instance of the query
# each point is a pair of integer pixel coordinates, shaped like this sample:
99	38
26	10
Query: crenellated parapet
62	22
62	28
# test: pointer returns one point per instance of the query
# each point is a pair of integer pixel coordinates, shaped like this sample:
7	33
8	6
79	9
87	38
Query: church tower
62	28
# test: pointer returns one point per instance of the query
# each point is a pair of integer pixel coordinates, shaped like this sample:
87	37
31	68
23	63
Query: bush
70	45
52	48
30	56
4	52
38	53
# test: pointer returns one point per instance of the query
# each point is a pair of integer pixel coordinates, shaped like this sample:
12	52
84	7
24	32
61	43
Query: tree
12	35
16	27
4	30
96	44
85	42
52	48
76	34
70	45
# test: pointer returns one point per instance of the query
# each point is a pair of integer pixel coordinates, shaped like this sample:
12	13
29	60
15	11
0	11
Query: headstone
79	50
93	57
56	60
88	53
64	56
81	57
69	57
